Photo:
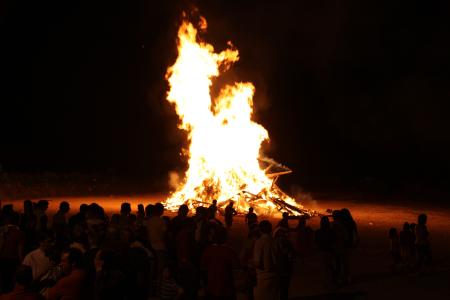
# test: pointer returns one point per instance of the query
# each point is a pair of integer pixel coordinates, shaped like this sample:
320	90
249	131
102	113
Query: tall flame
224	142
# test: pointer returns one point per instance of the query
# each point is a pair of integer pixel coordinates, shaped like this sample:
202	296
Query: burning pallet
266	202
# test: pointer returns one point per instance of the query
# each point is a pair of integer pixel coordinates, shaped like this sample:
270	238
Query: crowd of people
147	254
410	249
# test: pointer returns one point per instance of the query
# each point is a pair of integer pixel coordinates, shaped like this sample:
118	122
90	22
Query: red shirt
219	261
19	293
72	286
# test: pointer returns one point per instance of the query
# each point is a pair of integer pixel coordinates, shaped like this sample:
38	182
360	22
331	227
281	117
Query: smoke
303	197
174	180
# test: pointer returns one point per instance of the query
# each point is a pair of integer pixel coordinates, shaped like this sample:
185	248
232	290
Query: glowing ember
224	143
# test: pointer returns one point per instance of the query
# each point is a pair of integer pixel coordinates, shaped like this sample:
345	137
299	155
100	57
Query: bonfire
224	156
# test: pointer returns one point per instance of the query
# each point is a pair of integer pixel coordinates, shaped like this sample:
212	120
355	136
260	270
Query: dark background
353	93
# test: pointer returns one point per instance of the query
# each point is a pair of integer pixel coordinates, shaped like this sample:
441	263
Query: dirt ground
372	277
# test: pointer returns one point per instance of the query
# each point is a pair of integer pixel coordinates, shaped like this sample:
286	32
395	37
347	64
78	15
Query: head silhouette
125	208
265	227
324	222
422	219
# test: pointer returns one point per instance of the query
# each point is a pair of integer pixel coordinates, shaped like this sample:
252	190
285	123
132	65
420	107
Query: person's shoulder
30	256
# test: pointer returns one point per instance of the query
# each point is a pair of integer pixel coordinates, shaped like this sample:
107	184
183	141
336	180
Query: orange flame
224	143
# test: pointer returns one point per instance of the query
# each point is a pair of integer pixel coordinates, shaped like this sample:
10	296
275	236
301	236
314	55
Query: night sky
348	90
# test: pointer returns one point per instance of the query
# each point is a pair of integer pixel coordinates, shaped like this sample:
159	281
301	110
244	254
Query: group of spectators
410	249
147	254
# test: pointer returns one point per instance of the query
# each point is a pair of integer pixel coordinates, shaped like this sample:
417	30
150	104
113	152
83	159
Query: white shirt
38	262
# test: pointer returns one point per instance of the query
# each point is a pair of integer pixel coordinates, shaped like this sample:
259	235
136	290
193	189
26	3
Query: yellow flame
224	143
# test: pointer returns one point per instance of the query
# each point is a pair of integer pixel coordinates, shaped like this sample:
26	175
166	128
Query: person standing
395	248
59	224
230	212
325	239
246	258
422	241
109	281
340	253
284	222
406	245
212	210
219	262
156	231
251	219
305	238
41	216
74	285
28	225
12	241
285	258
264	259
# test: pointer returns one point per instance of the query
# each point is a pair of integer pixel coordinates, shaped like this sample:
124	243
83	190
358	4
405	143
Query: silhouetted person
412	228
284	222
177	222
230	212
140	216
264	259
407	244
73	285
186	252
22	289
212	210
284	260
59	223
201	228
251	219
12	241
41	216
156	230
109	281
125	219
305	238
60	218
423	241
395	247
149	211
351	227
340	253
246	259
219	262
79	218
325	239
140	262
28	225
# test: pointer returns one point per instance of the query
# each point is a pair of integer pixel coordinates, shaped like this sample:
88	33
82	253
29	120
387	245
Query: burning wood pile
224	153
